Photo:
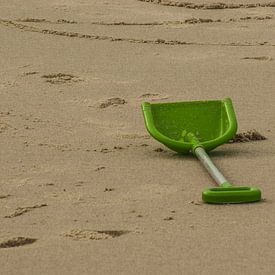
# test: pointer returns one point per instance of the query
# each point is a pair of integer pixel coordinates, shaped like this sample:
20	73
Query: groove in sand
192	20
210	6
22	210
27	28
80	234
17	241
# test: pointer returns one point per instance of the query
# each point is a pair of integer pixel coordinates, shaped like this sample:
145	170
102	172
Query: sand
84	189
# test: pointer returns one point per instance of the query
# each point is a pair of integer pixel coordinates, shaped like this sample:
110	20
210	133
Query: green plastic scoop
198	127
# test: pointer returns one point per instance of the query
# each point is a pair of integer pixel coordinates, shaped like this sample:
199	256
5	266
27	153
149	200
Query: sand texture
84	189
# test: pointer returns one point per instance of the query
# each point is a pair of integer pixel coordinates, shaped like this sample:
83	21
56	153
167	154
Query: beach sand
84	189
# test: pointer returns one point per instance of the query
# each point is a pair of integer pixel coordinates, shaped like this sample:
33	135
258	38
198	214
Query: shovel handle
210	167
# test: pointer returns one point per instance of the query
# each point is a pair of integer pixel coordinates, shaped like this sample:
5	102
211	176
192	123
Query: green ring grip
233	194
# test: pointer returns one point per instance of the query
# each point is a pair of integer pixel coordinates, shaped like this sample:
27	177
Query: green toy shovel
198	127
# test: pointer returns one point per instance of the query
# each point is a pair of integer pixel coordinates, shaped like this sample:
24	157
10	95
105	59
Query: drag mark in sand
43	20
79	234
259	58
149	95
100	168
22	210
210	6
114	101
59	147
133	136
61	78
191	20
107	150
29	73
154	96
4	196
17	241
157	41
32	20
119	148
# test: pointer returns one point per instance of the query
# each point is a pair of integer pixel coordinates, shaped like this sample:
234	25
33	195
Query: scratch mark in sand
158	41
4	196
210	6
61	78
79	234
112	101
22	210
259	58
189	21
43	20
17	241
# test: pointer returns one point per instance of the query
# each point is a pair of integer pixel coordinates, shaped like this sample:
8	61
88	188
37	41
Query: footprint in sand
114	101
16	241
79	234
61	78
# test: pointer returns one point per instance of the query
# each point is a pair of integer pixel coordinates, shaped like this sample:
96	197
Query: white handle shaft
210	166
